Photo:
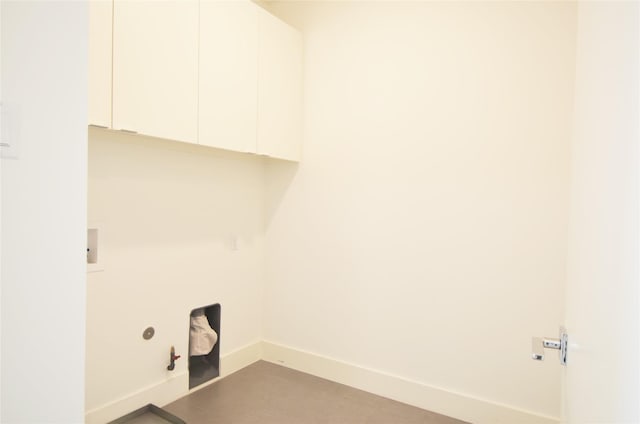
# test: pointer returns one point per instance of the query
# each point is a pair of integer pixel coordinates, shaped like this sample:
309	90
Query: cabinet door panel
279	89
155	68
228	74
100	31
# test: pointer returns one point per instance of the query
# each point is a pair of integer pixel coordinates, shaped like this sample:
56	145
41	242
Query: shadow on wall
159	191
181	226
279	176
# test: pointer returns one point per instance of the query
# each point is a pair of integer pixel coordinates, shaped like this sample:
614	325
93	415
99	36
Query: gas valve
172	359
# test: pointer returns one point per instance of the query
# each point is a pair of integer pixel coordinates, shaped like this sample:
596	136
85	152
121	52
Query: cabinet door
228	74
155	68
279	89
100	31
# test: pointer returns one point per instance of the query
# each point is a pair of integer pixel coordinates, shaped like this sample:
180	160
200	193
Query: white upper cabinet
228	74
100	21
155	68
225	74
279	89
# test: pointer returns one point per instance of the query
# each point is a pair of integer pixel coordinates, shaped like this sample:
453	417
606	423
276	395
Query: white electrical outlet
93	253
233	242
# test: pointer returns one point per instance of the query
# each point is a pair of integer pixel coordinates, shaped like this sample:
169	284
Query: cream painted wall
0	216
168	215
603	289
44	86
424	234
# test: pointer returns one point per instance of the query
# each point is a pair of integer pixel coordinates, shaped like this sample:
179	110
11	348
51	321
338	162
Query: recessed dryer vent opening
204	345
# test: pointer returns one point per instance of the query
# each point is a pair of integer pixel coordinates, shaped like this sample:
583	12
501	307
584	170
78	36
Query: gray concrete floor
270	394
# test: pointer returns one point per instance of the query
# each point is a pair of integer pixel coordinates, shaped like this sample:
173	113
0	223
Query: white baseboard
240	358
177	386
436	399
159	394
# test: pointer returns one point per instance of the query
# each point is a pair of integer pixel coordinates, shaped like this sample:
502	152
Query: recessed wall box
203	368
